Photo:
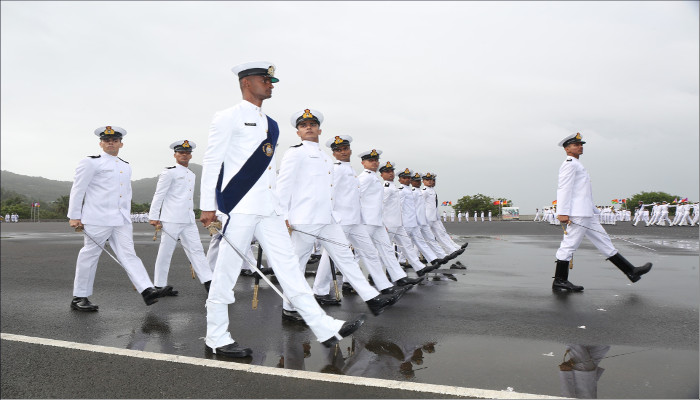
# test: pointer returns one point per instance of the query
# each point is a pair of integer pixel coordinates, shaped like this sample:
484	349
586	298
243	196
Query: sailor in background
575	208
372	203
438	229
238	178
393	220
100	203
172	209
306	192
422	219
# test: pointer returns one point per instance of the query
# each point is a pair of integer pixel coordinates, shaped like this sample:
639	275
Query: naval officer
172	209
575	208
306	190
100	203
239	178
431	213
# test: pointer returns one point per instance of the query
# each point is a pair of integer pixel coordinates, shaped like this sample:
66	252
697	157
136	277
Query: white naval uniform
422	220
234	134
348	210
306	192
173	205
101	199
393	220
575	199
431	214
537	216
410	223
372	203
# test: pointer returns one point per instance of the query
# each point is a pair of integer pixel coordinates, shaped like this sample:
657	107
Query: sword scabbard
255	296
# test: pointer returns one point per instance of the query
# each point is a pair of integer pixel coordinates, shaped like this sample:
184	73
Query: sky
479	93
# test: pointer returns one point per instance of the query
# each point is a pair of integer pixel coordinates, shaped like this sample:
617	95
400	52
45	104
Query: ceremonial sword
80	228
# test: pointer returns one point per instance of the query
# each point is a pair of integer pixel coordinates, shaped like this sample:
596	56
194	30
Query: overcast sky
478	92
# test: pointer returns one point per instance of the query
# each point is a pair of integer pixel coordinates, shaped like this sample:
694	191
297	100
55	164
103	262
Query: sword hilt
214	227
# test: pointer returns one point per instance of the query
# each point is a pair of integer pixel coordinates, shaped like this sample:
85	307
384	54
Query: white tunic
305	185
392	205
346	196
371	198
104	183
172	200
575	193
234	134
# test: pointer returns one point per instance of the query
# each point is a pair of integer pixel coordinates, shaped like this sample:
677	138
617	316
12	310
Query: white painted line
287	373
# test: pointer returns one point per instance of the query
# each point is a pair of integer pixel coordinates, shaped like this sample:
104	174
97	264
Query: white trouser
189	237
364	247
575	233
342	257
399	235
272	234
429	237
443	237
385	250
685	219
694	221
121	241
421	245
664	218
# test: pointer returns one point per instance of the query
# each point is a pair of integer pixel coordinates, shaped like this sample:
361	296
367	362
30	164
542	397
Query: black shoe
167	291
264	270
232	350
313	259
378	303
327	300
83	304
458	265
248	273
348	289
422	272
370	280
459	252
560	284
150	295
207	284
348	328
293	316
395	292
405	264
409	281
464	246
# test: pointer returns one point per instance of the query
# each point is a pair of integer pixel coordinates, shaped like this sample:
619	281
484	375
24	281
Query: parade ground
492	330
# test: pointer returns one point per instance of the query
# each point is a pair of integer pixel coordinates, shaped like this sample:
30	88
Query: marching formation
314	203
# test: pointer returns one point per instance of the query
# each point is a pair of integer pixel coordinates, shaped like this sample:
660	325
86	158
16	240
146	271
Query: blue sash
249	173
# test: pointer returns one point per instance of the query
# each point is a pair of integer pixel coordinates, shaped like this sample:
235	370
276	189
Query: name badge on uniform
251	124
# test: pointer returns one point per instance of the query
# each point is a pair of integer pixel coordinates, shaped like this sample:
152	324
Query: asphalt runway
493	330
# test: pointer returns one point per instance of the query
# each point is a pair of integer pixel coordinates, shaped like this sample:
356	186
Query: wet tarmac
496	325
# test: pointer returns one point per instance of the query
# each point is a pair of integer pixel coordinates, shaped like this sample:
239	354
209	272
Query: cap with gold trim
306	114
406	173
573	138
183	145
416	176
429	176
262	68
387	166
110	131
370	154
337	141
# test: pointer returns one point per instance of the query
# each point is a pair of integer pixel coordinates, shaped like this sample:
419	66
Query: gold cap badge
307	114
388	164
109	130
373	153
338	140
186	144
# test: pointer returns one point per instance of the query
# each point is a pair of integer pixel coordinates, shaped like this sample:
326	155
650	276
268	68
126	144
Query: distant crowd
14	217
651	214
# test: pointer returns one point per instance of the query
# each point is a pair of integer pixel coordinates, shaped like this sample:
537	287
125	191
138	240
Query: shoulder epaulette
386	184
170	167
95	156
298	145
123	160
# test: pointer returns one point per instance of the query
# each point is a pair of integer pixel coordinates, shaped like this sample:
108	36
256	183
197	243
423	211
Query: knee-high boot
633	273
561	275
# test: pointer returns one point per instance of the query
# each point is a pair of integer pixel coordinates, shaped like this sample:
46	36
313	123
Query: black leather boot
561	275
166	291
633	273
